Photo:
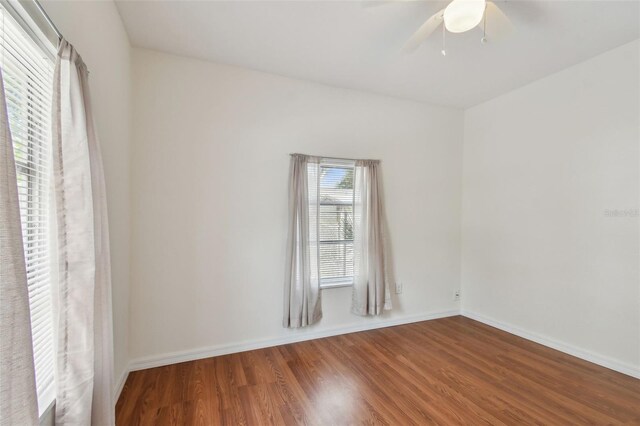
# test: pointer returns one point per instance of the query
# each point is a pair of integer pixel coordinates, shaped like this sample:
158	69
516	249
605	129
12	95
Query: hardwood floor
448	371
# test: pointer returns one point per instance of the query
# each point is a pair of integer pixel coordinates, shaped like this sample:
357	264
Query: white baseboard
296	336
624	368
121	382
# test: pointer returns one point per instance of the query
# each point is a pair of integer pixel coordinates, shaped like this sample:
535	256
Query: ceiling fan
460	16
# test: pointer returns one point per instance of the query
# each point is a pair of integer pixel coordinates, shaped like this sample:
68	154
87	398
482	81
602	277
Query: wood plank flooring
448	371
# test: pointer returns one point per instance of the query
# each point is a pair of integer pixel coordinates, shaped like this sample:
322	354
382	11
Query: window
335	223
28	75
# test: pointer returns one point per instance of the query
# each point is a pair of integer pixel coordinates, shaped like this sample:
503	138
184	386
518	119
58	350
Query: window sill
47	417
336	284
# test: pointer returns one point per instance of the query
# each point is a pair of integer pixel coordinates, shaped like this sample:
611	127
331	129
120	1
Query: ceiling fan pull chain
444	32
483	40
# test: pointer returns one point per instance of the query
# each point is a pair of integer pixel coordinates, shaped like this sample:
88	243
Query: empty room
319	212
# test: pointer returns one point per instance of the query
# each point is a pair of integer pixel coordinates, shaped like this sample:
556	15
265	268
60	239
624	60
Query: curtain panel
18	399
371	294
84	363
302	305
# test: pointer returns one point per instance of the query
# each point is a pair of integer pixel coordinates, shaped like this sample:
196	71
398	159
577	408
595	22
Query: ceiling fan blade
423	32
498	25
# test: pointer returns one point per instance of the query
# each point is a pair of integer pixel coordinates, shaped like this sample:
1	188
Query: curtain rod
331	158
48	19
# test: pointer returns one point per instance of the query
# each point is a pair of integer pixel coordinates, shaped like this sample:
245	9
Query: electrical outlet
398	287
456	295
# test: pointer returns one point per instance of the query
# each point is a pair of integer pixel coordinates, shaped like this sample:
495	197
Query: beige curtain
84	365
371	293
18	399
302	279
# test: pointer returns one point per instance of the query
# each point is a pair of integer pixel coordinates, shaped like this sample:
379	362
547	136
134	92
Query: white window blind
28	75
335	223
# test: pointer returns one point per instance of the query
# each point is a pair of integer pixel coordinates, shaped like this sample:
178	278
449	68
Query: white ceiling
347	44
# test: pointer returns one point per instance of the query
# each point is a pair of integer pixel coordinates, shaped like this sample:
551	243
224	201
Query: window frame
338	282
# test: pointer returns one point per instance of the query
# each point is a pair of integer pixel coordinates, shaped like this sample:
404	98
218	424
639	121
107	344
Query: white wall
210	159
95	29
542	164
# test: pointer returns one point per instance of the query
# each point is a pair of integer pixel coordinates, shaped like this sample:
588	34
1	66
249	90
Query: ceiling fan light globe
463	15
